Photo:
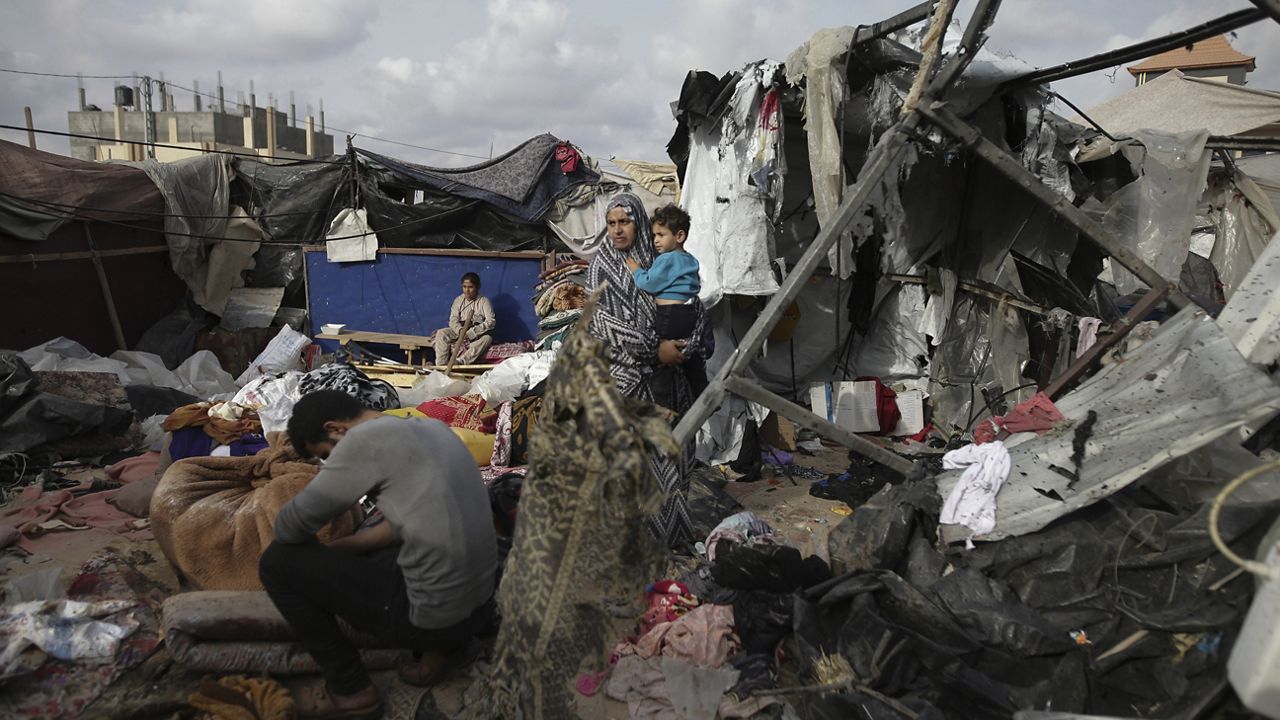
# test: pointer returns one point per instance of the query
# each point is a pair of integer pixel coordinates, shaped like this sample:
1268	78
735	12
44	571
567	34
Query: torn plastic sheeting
1178	392
1153	215
1245	220
1252	316
719	439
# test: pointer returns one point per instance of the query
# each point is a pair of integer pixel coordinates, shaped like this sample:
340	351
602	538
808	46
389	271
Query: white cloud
400	69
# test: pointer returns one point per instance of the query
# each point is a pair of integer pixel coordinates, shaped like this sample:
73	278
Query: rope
1252	566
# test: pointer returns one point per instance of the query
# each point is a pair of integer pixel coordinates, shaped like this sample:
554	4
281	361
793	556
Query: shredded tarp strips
1181	390
443	221
730	231
524	182
1252	317
1245	220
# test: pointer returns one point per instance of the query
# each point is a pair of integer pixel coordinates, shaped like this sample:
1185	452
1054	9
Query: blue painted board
411	294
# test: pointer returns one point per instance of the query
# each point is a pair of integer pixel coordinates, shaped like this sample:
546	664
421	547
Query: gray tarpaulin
1252	316
1185	388
196	195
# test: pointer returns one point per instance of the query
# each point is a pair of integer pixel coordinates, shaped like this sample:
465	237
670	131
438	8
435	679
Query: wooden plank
906	18
1001	161
1119	330
405	342
886	151
514	254
801	416
105	286
82	255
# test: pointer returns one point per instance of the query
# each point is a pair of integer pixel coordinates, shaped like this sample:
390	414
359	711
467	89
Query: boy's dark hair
474	278
313	411
673	218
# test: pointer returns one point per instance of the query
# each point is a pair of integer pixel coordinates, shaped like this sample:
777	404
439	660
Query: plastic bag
282	354
202	375
431	387
273	398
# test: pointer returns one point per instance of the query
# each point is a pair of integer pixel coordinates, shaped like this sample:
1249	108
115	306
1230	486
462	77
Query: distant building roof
1213	52
1176	103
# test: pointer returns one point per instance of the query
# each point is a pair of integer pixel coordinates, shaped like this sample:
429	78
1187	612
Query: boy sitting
673	282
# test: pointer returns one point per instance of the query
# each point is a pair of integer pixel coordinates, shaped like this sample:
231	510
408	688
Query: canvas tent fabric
40	187
1177	103
523	183
578	220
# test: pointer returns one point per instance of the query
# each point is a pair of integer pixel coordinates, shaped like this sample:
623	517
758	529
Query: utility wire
73	216
64	75
66	207
253	156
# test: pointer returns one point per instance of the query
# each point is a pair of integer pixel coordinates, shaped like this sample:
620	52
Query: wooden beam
1270	7
879	160
1005	164
81	255
973	39
105	286
1119	330
514	254
1138	51
801	416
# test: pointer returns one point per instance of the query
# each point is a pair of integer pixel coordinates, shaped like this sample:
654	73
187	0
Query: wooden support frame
105	286
1140	309
867	448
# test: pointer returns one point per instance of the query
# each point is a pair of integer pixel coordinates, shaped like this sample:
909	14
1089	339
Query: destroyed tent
951	282
578	217
937	222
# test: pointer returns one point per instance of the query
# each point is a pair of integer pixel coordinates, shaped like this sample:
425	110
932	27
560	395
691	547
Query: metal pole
148	118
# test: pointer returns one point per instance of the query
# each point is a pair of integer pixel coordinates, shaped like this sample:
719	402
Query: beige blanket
212	516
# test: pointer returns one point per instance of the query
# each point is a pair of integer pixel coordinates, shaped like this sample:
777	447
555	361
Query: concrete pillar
82	101
119	121
31	128
271	131
195	86
173	130
248	132
311	136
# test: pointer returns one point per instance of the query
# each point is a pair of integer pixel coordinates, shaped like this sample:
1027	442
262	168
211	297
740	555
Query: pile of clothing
558	300
708	645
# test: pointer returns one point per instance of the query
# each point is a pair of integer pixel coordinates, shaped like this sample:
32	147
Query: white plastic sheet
514	376
432	386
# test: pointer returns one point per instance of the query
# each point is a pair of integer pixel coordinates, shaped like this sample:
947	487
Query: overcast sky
469	76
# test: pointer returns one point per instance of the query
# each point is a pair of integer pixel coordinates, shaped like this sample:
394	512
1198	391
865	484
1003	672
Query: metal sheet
1252	318
1183	389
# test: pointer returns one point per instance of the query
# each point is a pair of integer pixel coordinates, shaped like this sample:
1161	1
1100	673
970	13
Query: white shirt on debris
972	501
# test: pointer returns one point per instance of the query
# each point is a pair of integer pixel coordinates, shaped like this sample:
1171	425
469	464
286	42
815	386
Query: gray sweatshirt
426	483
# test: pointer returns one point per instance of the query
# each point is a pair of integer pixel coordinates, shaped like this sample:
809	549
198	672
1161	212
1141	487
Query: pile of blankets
212	516
558	300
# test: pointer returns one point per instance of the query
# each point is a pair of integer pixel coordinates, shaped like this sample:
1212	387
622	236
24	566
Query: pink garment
133	469
33	506
703	637
94	510
1037	414
1088	334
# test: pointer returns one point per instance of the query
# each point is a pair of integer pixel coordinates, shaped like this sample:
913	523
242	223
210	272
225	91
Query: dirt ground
157	688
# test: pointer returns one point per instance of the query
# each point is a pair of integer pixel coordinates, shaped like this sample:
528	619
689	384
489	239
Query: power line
66	207
73	216
350	132
64	75
254	156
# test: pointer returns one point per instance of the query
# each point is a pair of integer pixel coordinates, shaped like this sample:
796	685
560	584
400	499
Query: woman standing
624	320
